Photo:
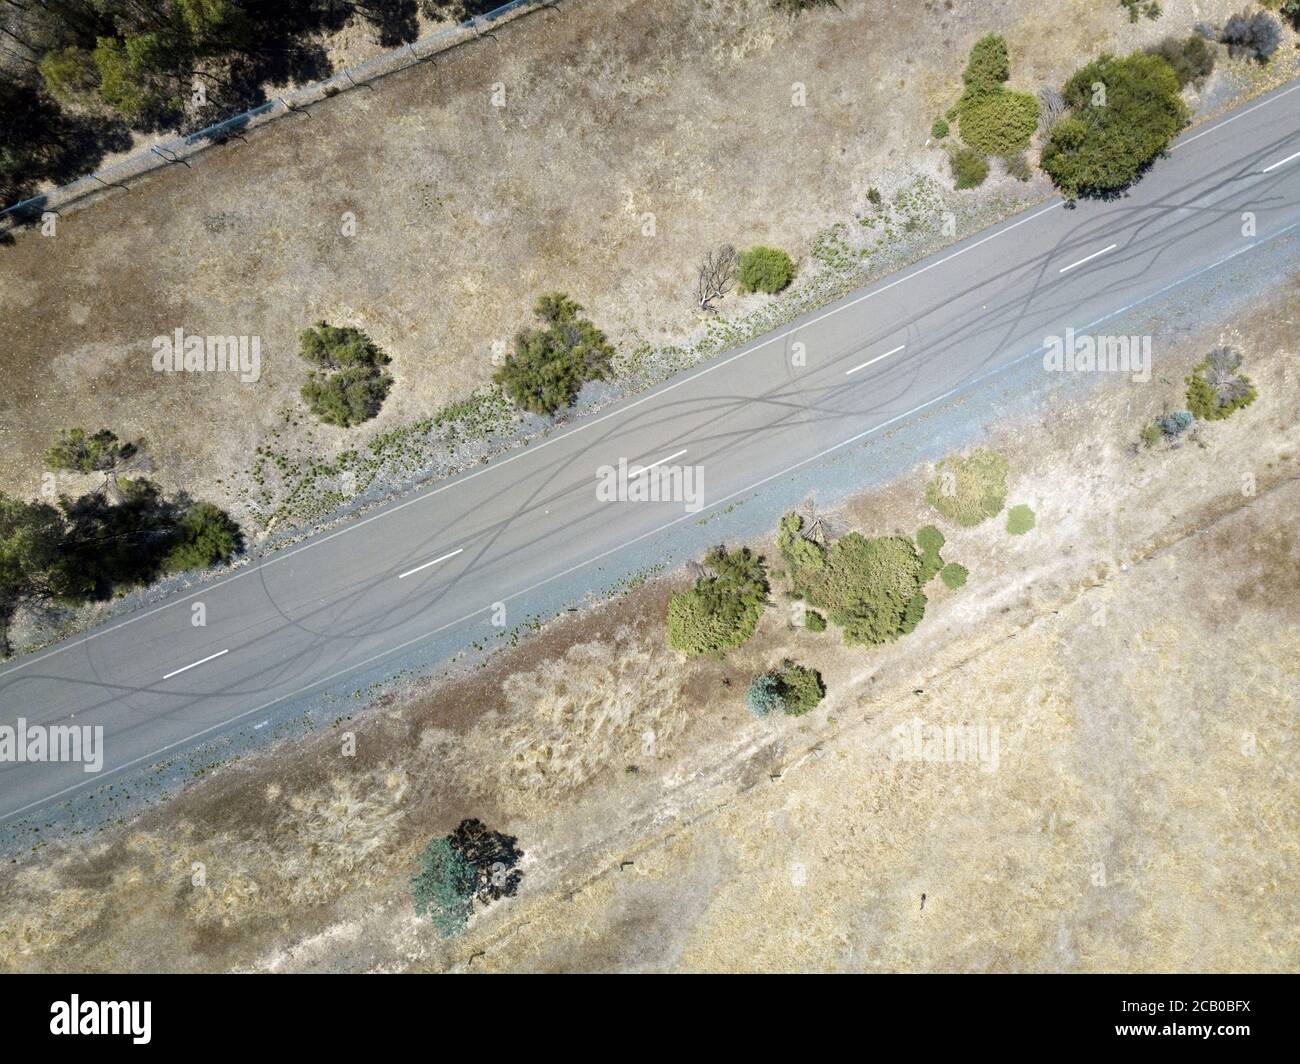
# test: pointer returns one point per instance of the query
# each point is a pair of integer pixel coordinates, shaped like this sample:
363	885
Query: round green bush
953	575
800	688
939	130
764	269
999	123
814	621
1020	519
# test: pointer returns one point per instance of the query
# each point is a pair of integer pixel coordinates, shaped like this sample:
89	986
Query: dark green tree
550	364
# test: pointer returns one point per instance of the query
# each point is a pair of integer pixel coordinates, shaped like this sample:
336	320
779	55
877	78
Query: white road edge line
1036	353
641	469
1214	126
1087	258
1280	162
197	663
403	576
875	360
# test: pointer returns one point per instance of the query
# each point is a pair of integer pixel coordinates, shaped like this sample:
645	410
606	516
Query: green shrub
764	696
1020	519
444	887
800	688
205	536
764	269
1150	435
929	539
75	452
723	608
998	123
814	621
1215	389
349	384
870	588
1100	148
549	365
939	129
968	168
1191	58
988	66
953	575
968	490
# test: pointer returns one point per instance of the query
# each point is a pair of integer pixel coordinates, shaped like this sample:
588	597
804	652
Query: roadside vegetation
1216	388
348	384
550	364
790	688
764	269
473	863
967	490
123	534
83	75
723	607
1122	113
991	119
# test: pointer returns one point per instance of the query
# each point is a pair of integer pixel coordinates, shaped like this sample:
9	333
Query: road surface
351	599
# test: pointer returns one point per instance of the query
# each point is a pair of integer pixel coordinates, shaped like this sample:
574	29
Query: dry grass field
609	112
1137	653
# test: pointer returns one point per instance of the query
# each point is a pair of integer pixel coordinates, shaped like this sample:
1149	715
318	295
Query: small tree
349	384
764	269
1123	112
549	365
205	536
715	275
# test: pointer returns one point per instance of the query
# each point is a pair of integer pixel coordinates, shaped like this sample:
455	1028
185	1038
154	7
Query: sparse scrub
968	490
968	168
549	365
764	269
1191	58
1215	389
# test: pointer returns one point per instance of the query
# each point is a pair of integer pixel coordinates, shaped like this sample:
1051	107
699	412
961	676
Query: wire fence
178	150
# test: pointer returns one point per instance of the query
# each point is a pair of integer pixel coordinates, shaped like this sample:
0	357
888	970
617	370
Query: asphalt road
347	601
